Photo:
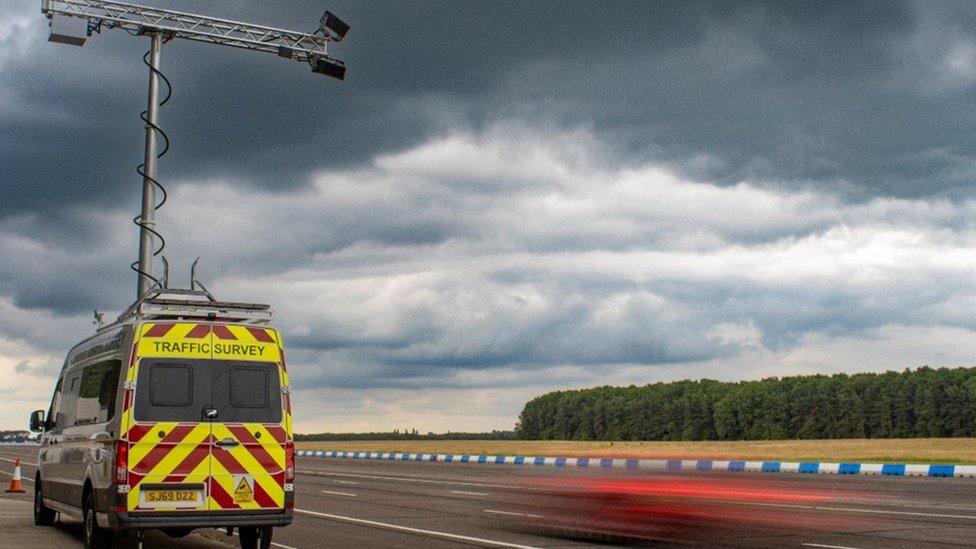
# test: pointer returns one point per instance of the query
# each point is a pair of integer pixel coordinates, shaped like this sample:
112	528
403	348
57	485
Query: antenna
72	21
194	282
193	274
165	284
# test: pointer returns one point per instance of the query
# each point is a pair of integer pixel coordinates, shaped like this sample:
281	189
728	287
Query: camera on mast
329	66
332	24
68	30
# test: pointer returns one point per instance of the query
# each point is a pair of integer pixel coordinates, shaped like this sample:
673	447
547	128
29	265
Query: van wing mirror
37	421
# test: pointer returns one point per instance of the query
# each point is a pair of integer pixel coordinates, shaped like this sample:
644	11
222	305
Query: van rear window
170	385
248	387
168	390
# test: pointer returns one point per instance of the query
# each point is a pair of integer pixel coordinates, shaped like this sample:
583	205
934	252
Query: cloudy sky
508	198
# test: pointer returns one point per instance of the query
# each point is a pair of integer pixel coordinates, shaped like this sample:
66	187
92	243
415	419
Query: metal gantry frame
160	26
102	14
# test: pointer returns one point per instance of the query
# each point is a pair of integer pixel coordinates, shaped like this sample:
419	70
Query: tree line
925	402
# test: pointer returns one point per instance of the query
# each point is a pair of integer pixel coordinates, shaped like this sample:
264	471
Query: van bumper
200	519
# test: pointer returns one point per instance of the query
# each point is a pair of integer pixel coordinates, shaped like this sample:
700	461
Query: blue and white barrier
799	467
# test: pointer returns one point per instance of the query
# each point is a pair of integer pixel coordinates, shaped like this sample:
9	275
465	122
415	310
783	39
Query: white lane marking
406	479
956	508
496	512
463	493
499	486
22	462
409	530
337	481
23	478
871	511
347	494
827	546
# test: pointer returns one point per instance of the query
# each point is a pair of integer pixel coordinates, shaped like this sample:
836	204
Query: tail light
289	462
122	463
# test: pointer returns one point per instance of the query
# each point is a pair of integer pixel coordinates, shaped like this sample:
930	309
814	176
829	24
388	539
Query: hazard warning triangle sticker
243	492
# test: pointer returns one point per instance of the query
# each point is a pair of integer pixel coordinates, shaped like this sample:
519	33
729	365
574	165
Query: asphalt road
359	503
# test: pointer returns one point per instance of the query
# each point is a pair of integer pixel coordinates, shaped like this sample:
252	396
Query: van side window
170	385
248	387
55	409
99	387
69	401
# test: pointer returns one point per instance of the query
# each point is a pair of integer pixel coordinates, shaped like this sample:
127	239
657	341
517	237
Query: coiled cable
141	170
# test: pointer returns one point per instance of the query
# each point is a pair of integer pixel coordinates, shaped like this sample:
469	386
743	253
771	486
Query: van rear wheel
95	537
256	538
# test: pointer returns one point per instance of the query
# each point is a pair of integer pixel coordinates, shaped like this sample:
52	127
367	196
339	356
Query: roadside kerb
806	467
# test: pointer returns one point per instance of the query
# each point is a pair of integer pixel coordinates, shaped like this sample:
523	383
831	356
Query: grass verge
914	450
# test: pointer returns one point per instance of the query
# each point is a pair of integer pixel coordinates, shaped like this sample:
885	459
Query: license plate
172	496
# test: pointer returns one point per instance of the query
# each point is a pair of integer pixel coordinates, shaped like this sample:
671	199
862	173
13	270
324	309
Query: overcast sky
508	198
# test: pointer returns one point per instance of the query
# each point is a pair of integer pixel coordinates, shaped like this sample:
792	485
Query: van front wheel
43	515
256	538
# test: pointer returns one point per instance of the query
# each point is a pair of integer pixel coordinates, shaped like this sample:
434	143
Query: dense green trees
925	402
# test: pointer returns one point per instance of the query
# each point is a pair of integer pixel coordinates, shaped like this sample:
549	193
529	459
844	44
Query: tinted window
179	391
246	392
248	387
96	393
170	391
171	385
69	399
55	410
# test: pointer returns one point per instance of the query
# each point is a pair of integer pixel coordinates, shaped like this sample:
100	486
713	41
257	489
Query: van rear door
169	445
248	465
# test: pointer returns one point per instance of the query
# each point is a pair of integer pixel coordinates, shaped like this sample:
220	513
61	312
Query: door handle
227	442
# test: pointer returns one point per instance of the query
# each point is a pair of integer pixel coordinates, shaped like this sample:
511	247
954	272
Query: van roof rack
159	304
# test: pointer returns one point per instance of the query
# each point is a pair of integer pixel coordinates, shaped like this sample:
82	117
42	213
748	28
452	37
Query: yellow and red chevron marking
265	463
164	455
167	452
207	340
245	342
286	398
178	339
128	395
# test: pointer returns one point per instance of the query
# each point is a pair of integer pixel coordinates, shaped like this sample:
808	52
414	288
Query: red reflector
289	462
122	462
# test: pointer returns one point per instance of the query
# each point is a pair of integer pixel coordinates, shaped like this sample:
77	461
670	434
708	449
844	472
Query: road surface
367	503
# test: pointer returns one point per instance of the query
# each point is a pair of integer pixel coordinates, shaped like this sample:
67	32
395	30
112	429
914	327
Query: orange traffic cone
15	483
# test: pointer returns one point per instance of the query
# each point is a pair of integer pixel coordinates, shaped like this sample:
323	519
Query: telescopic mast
73	21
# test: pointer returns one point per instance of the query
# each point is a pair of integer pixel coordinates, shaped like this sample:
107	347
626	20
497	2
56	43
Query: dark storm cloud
835	94
515	196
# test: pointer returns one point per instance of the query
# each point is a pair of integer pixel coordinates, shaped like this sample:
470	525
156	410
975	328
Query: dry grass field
918	450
